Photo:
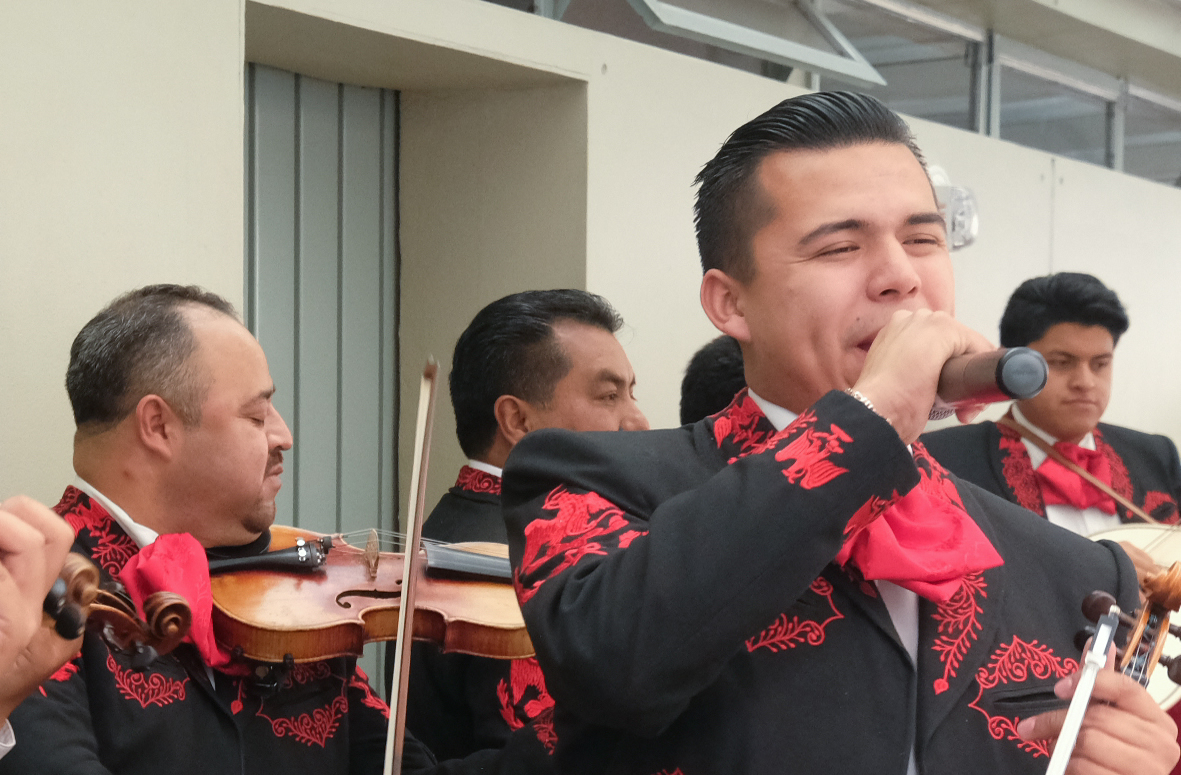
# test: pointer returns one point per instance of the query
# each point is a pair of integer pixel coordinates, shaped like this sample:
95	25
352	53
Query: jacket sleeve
54	733
635	601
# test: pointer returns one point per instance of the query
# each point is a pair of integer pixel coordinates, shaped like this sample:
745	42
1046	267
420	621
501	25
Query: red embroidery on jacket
525	700
740	424
146	688
788	633
959	625
810	452
236	705
677	771
1120	481
1160	506
1017	469
360	682
307	672
475	480
570	535
1018	662
315	728
112	547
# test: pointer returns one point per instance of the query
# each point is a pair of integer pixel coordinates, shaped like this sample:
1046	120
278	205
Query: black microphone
983	378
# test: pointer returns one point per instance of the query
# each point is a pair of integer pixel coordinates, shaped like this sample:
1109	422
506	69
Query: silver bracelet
858	395
868	404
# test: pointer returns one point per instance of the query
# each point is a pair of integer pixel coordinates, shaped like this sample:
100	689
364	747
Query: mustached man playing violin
795	585
179	446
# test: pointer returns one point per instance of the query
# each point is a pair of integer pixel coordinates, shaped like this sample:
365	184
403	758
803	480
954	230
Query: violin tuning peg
143	656
1173	665
1097	604
69	622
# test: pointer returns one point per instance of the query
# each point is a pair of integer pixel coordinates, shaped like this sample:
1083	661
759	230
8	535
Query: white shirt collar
143	536
1036	456
487	468
779	417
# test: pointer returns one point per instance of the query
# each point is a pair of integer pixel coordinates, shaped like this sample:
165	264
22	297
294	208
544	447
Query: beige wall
121	160
535	154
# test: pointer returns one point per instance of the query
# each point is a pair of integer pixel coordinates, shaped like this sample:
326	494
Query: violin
80	600
322	597
1138	656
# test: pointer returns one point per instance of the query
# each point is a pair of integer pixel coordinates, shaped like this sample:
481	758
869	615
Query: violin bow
396	734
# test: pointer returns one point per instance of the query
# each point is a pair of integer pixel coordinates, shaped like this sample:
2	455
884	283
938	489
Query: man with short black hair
789	585
1075	321
531	360
712	379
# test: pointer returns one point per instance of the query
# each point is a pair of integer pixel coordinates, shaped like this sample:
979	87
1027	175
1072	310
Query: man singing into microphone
789	586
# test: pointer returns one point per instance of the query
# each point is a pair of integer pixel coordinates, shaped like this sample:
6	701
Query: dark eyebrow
832	228
919	219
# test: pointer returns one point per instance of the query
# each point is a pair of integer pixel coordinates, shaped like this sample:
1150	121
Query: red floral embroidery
1120	481
788	633
525	700
318	726
1017	469
475	480
315	728
677	771
569	536
307	672
1017	662
742	424
146	688
112	547
1160	506
360	682
959	625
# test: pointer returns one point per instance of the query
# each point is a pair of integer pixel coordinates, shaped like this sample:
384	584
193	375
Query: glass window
928	72
1051	117
1152	142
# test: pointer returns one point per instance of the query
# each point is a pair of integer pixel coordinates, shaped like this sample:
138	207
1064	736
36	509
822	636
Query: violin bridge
372	553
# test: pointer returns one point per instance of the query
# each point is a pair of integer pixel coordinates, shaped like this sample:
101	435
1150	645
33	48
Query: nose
277	431
893	275
634	419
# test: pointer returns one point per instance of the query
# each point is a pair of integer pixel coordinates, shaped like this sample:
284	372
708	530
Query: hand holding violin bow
1119	727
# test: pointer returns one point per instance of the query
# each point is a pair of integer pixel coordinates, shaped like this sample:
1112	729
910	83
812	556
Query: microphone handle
983	378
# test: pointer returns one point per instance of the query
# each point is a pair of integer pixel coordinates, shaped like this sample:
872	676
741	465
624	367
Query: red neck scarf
925	541
1060	485
175	562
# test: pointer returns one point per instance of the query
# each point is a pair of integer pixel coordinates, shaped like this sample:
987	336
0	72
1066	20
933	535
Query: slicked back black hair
731	206
139	345
510	349
1065	297
713	376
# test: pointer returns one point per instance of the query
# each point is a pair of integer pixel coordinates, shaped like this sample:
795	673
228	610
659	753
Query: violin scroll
72	593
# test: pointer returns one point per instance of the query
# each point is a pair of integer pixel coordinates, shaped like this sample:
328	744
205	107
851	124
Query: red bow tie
1062	486
925	542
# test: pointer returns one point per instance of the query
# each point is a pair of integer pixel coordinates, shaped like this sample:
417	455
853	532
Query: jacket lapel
955	638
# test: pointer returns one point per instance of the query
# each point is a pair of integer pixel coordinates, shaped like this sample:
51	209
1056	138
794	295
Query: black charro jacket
680	589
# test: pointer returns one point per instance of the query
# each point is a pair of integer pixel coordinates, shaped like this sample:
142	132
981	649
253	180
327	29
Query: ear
722	300
513	416
157	427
